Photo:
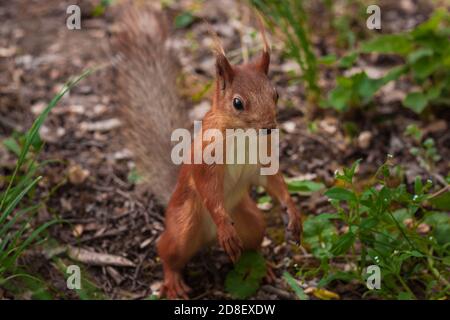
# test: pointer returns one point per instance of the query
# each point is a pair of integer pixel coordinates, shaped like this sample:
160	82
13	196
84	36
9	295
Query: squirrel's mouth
267	130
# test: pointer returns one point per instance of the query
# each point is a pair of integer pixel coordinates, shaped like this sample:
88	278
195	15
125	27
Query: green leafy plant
244	280
359	89
88	289
100	9
295	286
386	225
426	52
183	20
304	187
16	212
425	151
290	18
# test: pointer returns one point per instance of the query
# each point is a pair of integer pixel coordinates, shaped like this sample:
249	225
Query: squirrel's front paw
229	240
294	228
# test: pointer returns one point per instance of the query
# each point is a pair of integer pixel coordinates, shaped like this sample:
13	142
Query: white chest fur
237	180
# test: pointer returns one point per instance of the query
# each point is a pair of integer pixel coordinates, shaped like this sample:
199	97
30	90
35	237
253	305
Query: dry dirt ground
88	185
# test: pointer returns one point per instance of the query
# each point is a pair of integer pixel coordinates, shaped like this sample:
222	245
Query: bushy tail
151	108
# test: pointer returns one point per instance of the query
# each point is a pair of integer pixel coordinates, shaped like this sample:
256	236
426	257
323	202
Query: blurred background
364	116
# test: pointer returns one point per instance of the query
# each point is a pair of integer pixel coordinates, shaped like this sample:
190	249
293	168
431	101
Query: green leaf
12	204
264	199
304	186
348	60
339	275
328	59
184	20
418	186
414	131
100	9
435	91
425	66
431	24
441	202
338	193
244	280
418	54
318	233
339	98
390	43
12	145
408	254
440	221
368	223
134	177
366	87
342	245
405	296
447	261
294	285
394	74
416	101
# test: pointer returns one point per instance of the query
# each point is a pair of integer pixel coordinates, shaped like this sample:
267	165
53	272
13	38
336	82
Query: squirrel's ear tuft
224	71
263	62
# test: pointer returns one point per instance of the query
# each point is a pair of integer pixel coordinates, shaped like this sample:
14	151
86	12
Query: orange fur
212	202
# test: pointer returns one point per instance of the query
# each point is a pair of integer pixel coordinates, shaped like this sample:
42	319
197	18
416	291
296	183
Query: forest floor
89	186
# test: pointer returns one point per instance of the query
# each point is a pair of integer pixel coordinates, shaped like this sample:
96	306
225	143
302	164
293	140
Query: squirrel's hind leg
180	241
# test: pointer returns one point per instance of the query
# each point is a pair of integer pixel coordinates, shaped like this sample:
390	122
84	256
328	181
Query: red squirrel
210	202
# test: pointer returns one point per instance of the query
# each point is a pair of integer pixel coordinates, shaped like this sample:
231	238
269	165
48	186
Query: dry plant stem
441	191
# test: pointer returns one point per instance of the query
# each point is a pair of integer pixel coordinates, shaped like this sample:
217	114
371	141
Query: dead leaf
77	175
118	279
329	125
266	242
364	139
288	126
123	154
436	126
8	52
51	135
324	294
78	230
38	107
155	286
102	126
266	206
98	259
145	243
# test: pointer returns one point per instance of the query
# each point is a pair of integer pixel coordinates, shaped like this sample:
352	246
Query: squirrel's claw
175	289
230	242
233	248
294	232
294	229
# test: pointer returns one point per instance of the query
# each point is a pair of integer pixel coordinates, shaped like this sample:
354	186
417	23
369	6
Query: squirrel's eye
237	104
276	95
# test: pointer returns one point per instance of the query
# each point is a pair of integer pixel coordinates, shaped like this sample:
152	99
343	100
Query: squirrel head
244	96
